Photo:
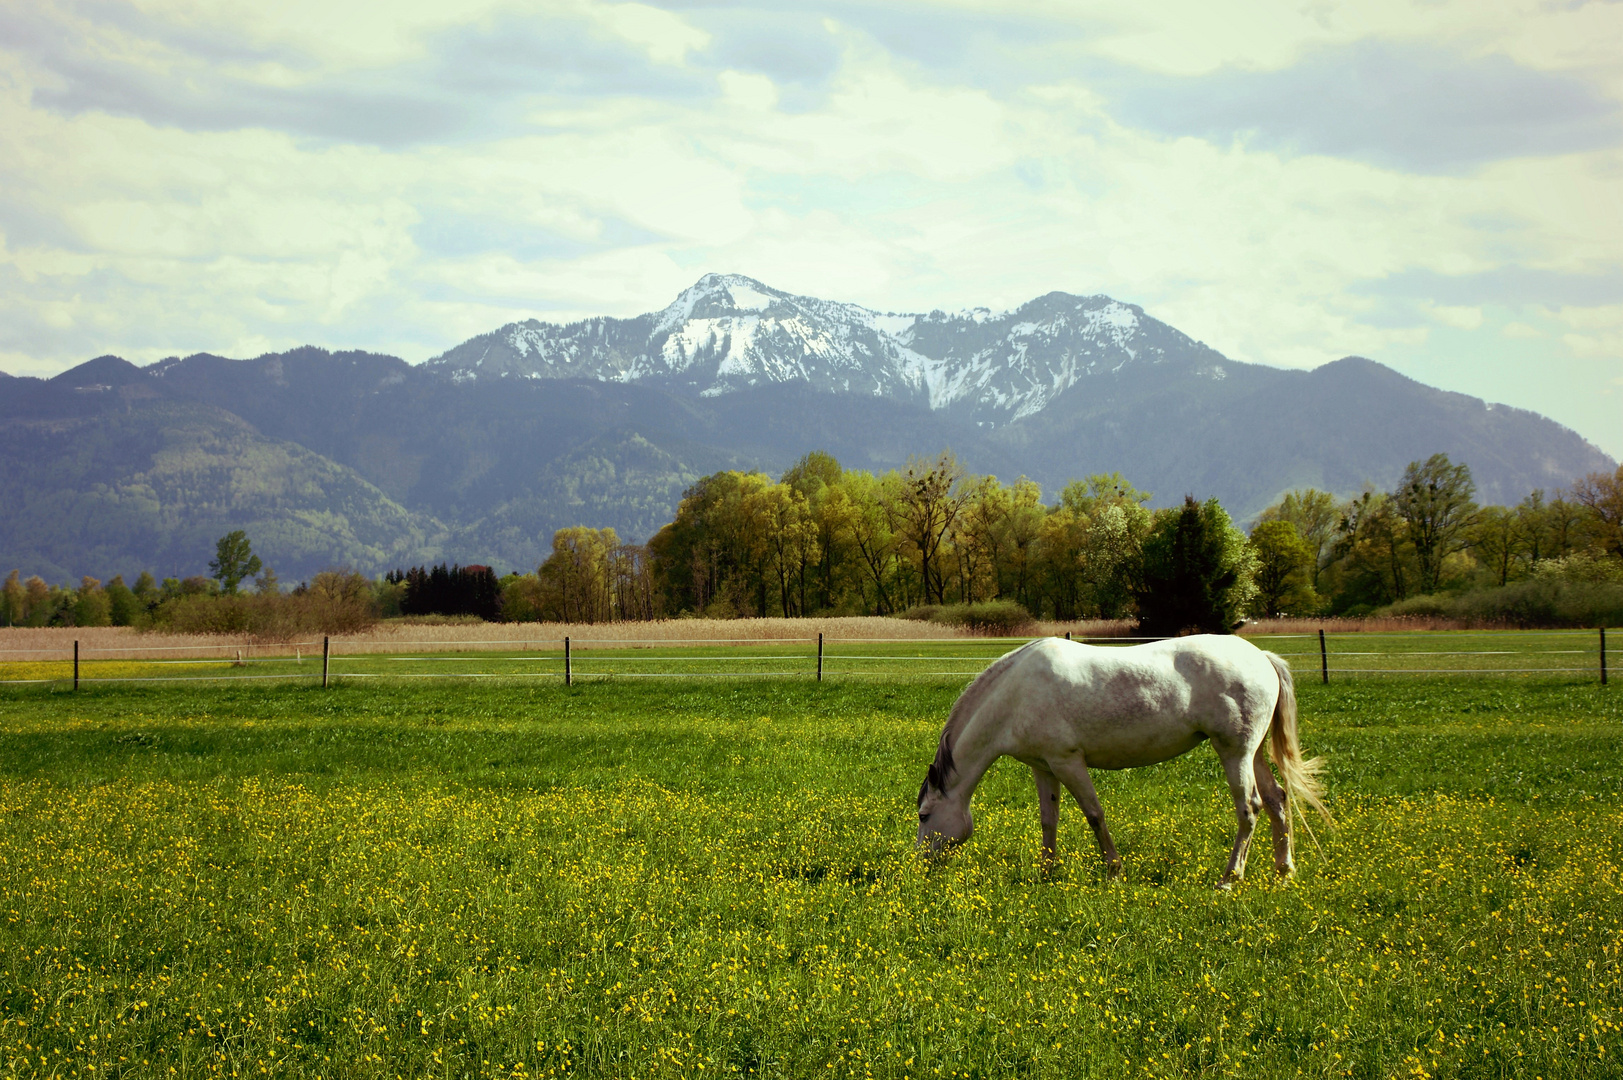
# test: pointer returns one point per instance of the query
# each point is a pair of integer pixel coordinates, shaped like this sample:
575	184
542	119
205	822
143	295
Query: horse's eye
924	817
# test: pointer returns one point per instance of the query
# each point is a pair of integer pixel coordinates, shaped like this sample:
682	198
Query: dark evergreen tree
451	590
1195	572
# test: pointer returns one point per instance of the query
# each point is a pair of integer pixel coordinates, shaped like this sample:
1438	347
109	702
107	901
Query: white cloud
1597	332
1461	318
667	38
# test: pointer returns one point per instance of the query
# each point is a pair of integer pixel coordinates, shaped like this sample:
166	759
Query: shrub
1432	605
335	602
997	617
1546	600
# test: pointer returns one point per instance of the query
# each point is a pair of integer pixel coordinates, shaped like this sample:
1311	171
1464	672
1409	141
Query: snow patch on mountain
726	333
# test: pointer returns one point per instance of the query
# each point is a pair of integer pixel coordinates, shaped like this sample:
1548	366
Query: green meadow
716	877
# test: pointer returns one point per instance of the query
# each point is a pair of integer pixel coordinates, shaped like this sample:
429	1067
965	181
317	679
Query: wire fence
1566	653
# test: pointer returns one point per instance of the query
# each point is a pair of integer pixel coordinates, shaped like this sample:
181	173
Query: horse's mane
936	776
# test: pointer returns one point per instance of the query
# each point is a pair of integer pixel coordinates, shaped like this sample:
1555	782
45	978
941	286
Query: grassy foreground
644	879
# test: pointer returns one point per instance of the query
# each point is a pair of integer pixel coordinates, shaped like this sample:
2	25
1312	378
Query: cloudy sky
1435	185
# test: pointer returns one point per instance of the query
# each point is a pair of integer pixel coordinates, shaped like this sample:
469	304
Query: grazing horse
1063	707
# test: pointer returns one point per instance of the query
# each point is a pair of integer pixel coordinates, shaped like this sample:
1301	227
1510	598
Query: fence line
822	662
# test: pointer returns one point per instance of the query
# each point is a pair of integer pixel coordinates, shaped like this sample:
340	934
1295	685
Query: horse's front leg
1048	808
1073	773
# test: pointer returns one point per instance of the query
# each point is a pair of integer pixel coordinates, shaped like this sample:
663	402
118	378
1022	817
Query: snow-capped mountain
728	332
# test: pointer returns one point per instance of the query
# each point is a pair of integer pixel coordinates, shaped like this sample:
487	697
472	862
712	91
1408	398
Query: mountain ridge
728	331
479	455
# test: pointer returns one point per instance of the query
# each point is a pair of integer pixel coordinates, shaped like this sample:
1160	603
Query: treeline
822	539
825	540
1427	548
335	601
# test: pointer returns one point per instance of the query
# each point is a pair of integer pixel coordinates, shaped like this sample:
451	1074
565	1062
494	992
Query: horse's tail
1300	778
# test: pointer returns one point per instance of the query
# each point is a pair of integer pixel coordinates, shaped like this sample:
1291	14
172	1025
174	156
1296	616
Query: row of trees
336	600
1429	537
827	539
443	590
822	539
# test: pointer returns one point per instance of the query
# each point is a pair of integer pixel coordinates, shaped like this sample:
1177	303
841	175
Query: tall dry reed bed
20	643
455	637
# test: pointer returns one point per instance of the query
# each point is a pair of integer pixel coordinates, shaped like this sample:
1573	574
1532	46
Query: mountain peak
717	296
103	370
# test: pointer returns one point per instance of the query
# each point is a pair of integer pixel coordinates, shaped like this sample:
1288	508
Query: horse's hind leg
1279	814
1073	773
1247	805
1048	807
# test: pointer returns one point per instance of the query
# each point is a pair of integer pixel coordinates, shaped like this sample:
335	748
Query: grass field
650	877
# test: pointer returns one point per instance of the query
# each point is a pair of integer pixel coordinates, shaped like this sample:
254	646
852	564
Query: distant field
655	877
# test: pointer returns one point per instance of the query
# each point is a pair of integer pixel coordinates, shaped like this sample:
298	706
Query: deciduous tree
126	609
931	495
1315	515
1284	569
578	573
1501	539
13	601
37	606
871	535
1434	499
233	560
1602	496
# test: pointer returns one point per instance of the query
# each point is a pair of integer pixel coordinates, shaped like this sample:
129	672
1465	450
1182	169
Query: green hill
152	484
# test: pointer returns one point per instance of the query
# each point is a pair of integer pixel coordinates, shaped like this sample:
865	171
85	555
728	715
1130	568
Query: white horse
1062	707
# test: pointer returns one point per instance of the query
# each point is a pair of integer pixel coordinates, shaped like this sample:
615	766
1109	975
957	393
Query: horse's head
943	823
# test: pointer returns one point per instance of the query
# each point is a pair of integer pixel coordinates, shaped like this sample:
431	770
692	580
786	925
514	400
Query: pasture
716	877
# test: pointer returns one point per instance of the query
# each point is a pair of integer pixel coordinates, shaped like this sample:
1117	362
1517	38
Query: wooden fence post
76	663
1324	659
819	656
1602	656
326	656
569	671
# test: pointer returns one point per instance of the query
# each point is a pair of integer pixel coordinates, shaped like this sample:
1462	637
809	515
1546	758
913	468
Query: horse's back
1136	705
